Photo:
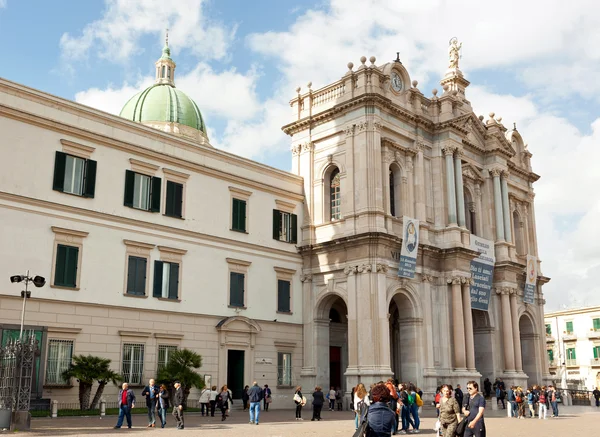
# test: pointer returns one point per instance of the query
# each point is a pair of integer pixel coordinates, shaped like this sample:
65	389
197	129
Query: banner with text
410	246
530	279
482	272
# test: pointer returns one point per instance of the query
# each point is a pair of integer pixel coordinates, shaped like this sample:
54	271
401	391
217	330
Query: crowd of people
525	402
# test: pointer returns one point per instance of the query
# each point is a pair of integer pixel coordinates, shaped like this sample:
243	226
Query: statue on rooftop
454	52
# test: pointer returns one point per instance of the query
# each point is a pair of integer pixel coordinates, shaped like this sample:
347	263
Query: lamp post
38	281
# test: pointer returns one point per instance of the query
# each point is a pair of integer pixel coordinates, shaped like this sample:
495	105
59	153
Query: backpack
411	399
542	398
419	400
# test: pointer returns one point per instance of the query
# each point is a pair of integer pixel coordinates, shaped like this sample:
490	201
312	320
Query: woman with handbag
299	399
449	411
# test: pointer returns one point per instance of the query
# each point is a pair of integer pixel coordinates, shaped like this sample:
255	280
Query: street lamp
38	281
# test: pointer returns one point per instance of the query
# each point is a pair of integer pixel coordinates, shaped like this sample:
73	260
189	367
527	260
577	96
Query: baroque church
152	240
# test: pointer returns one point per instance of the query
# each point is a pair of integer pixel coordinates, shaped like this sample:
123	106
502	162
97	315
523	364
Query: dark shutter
235	213
236	289
136	276
243	215
283	296
276	223
129	187
174	281
131	273
60	163
279	360
61	262
158	276
89	183
155	195
294	226
71	266
174	206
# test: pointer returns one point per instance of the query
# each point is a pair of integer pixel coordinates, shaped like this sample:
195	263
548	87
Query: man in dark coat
126	403
151	394
318	400
178	405
458	394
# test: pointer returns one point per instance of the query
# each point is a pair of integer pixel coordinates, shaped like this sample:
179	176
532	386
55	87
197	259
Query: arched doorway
404	340
483	343
529	349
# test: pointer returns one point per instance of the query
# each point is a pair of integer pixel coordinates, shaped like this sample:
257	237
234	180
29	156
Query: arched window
163	71
518	234
334	195
470	217
395	190
392	203
169	72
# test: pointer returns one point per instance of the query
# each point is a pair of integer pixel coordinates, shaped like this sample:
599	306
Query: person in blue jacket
380	417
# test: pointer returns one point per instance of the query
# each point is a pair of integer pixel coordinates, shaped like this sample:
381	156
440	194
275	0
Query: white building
573	347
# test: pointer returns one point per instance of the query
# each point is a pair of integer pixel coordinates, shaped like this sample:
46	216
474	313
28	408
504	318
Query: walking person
205	401
339	399
150	392
267	397
163	404
318	400
449	411
331	397
126	404
213	400
458	394
474	408
245	398
413	407
300	401
178	405
487	388
360	401
255	395
223	401
596	394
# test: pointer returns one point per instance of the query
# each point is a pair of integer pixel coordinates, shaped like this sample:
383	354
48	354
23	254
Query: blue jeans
514	409
554	408
162	412
152	412
406	420
124	411
254	411
414	411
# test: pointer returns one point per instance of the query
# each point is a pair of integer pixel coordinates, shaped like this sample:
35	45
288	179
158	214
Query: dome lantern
165	66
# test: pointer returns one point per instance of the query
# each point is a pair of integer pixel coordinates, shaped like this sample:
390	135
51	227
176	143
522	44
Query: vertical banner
530	279
482	272
410	246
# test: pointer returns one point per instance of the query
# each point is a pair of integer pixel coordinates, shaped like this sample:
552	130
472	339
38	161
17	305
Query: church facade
152	240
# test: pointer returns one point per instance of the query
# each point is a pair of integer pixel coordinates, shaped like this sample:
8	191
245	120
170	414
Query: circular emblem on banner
411	237
531	270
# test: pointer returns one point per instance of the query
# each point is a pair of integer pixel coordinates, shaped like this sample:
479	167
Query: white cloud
116	35
3	3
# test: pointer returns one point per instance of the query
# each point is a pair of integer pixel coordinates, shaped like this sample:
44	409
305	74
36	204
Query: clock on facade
396	81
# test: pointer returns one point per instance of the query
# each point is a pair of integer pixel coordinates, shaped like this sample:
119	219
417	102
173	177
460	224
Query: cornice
529	175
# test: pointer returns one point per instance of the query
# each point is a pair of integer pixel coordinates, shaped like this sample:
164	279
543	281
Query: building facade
153	240
573	347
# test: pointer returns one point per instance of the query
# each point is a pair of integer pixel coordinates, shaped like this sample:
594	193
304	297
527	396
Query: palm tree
180	367
87	369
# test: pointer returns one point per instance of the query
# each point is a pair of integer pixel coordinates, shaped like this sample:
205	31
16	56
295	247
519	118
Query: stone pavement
574	421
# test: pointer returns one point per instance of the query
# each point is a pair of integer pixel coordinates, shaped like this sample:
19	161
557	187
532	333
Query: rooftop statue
454	52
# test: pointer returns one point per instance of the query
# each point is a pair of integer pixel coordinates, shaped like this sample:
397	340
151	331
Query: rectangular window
238	218
60	353
66	266
569	327
283	296
284	369
174	207
132	365
596	324
142	191
74	175
164	353
236	289
550	355
166	280
548	329
285	226
571	354
136	276
596	352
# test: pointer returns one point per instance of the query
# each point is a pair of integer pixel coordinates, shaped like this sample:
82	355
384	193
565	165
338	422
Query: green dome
162	102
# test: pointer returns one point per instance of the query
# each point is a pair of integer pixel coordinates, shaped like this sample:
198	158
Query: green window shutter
596	324
276	223
178	207
158	276
234	214
61	261
550	355
238	222
569	327
89	181
283	296
294	225
548	329
174	281
155	195
236	289
129	187
174	206
131	274
243	215
136	276
70	277
60	163
596	352
169	206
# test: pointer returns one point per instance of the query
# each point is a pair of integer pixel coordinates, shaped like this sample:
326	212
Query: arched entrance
529	349
404	340
483	343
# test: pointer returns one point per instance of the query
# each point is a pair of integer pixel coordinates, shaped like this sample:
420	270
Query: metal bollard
54	409
102	408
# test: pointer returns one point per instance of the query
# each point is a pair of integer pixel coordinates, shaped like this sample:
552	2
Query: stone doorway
404	339
529	347
483	343
235	372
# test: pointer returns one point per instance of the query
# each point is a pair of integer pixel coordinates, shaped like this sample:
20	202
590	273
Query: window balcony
571	362
595	362
549	338
593	333
552	363
569	336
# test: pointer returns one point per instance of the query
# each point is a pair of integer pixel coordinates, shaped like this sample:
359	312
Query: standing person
229	401
413	407
254	395
178	405
223	401
520	399
596	394
299	400
405	409
553	395
500	392
381	418
150	392
126	404
512	401
267	396
487	388
213	400
339	399
360	401
163	404
449	411
474	407
542	408
530	402
331	397
318	400
205	401
458	394
245	397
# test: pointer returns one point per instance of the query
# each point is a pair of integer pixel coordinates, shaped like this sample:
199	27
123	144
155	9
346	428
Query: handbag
297	398
462	425
269	400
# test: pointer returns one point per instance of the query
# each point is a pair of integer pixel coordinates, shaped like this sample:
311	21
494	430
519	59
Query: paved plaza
574	421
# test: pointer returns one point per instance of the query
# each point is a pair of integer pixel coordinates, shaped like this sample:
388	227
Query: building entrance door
335	367
235	372
37	380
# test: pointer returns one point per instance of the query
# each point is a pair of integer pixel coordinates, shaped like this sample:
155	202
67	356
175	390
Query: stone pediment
471	172
238	324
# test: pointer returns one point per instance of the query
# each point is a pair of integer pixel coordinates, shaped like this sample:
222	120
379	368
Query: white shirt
366	400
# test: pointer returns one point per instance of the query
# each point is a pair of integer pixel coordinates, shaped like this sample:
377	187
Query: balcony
569	336
571	362
552	363
549	338
595	362
593	333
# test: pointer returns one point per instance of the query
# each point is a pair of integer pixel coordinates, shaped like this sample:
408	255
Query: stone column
352	317
516	331
527	236
428	316
309	364
498	205
450	184
507	332
505	208
458	327
531	197
460	193
420	184
321	333
468	320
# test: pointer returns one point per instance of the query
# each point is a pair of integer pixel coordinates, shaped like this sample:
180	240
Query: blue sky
241	61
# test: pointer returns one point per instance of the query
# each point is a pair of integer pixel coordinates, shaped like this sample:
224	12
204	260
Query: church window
334	195
392	197
74	175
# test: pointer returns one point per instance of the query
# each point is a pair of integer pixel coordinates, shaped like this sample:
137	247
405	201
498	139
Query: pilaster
458	327
450	188
505	207
460	193
498	204
507	328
